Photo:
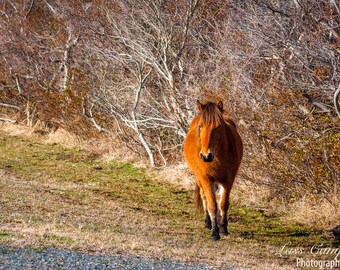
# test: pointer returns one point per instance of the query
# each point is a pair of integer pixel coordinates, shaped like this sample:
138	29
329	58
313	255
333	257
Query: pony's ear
199	105
220	106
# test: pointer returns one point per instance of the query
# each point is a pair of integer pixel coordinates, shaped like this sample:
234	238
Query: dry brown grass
315	214
178	175
43	134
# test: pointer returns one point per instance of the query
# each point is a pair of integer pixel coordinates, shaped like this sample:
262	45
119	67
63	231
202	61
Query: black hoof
207	224
215	237
224	231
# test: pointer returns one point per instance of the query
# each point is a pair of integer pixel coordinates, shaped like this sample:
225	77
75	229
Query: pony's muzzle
207	158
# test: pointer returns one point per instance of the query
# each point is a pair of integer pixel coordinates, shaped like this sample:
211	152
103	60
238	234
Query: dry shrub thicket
134	69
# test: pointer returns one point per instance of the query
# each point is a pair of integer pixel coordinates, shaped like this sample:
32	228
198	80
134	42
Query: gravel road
51	258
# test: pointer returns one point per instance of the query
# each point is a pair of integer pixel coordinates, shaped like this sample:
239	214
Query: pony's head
209	127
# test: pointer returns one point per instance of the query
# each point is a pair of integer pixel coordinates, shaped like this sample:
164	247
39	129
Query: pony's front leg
211	206
207	220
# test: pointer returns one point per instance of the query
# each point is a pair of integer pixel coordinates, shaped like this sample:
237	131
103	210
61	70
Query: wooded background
134	69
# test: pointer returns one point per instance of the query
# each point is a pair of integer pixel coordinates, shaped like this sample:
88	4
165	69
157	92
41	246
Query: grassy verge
68	198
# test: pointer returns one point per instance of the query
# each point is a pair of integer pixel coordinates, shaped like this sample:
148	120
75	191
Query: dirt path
51	258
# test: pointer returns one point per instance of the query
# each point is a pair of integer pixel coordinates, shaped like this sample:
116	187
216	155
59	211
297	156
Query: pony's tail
198	199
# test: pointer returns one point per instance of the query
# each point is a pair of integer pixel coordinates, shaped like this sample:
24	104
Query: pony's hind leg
223	207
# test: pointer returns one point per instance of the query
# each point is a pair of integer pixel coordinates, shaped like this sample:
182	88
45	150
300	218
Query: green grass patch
4	235
60	239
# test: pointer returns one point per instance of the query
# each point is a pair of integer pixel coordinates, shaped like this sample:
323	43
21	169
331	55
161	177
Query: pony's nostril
207	158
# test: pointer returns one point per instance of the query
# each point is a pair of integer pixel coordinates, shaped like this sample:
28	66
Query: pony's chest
214	170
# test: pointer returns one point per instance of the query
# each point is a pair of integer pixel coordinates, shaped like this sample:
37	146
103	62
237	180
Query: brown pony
213	150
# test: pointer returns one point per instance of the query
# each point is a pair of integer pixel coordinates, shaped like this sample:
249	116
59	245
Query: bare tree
144	45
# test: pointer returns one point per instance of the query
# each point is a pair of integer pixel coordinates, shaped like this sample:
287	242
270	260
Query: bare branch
10	106
333	3
71	42
30	8
50	7
336	100
18	84
142	79
89	115
323	107
7	120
